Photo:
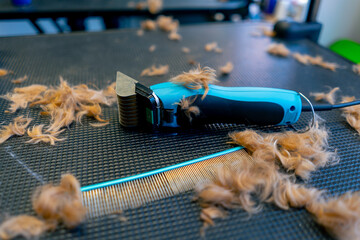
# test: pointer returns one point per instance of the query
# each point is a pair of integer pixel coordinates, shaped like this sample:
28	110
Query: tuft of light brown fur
197	78
352	114
185	50
318	60
339	215
185	105
60	204
329	97
302	58
212	47
154	6
356	69
155	71
23	226
227	69
260	178
21	97
148	25
20	79
4	72
63	104
167	24
173	35
302	153
36	134
18	127
99	124
140	32
152	48
278	49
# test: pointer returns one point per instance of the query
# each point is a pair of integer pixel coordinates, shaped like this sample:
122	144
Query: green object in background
348	49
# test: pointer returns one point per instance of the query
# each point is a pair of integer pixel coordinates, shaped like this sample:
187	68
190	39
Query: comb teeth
128	111
133	194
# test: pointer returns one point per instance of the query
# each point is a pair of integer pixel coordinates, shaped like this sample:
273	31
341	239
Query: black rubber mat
99	154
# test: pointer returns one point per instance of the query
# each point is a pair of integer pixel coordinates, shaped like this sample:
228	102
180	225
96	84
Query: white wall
340	19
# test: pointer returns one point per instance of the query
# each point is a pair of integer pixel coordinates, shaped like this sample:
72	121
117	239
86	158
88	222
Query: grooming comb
134	191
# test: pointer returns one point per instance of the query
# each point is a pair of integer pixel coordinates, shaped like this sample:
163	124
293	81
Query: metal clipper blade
127	103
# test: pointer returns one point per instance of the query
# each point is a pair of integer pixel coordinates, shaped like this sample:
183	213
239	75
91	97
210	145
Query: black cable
328	107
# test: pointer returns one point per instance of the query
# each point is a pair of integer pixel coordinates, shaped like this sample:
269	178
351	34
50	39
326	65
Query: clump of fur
4	72
227	69
140	32
197	78
23	226
212	47
329	97
302	58
21	97
260	178
20	79
18	127
185	50
155	71
339	215
318	60
190	111
356	69
64	104
174	36
278	49
352	113
36	134
155	6
152	48
60	204
148	25
302	153
167	24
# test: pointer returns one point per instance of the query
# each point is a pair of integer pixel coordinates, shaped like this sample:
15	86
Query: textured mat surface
100	154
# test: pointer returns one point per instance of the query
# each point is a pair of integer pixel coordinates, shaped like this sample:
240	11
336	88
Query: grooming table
100	154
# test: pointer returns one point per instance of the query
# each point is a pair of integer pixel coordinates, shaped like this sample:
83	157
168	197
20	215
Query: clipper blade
127	103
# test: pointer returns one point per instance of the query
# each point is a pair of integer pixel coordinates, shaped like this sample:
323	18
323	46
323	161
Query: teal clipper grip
245	105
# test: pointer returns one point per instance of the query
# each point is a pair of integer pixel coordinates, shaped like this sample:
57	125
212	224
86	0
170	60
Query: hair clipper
157	106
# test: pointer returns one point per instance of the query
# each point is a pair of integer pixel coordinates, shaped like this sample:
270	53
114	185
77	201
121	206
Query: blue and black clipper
157	107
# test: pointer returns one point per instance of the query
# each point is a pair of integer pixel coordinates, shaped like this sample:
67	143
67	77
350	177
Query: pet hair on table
28	227
213	46
20	79
167	24
17	127
227	68
152	48
329	97
155	6
185	50
352	114
197	78
278	49
155	71
60	204
148	25
173	35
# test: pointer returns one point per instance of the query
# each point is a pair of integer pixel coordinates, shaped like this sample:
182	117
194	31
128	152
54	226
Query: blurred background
340	19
